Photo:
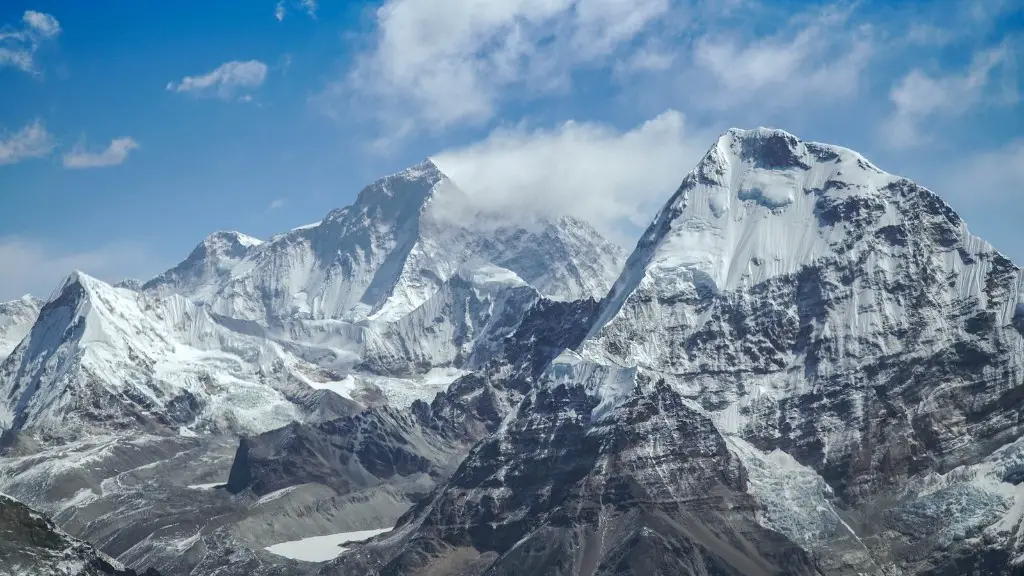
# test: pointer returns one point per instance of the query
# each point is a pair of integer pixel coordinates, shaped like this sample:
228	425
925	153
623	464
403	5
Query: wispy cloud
32	141
919	96
821	54
224	82
19	43
114	154
438	65
614	179
276	204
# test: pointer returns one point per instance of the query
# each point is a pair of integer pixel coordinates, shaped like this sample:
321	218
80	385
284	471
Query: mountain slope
127	399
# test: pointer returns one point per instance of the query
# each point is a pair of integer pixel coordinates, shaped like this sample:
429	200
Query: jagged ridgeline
806	366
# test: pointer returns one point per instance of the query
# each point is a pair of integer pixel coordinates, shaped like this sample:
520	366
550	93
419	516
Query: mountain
33	545
820	308
16	319
807	366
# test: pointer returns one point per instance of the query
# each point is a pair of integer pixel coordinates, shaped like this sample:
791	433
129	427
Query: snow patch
322	548
209	486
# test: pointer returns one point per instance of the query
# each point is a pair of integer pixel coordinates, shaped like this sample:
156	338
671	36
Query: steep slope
463	324
31	545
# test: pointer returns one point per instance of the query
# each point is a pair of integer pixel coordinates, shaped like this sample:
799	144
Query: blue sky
130	130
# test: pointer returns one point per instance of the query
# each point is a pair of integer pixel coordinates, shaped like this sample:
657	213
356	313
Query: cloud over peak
224	82
612	178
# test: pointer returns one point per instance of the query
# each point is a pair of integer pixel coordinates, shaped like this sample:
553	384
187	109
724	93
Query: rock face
32	545
646	487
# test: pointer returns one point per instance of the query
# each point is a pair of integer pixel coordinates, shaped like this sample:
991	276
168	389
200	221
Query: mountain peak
762	203
213	258
229	238
77	280
396	197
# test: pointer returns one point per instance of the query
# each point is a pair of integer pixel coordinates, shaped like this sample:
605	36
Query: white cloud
18	44
279	11
615	180
45	24
823	56
116	153
34	267
439	64
918	96
32	141
224	82
277	204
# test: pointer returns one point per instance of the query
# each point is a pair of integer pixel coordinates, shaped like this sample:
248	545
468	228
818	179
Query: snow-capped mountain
385	255
16	319
201	274
111	358
388	299
846	362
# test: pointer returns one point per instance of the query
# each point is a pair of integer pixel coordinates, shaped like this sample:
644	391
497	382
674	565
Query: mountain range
805	366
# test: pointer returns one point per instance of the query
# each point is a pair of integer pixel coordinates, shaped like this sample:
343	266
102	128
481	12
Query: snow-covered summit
762	204
209	265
